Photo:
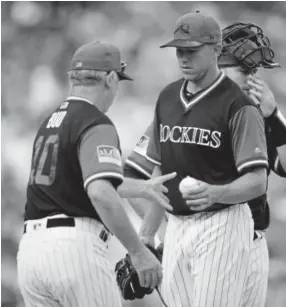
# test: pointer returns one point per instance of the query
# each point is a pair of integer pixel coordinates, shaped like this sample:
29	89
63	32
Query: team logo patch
142	145
109	154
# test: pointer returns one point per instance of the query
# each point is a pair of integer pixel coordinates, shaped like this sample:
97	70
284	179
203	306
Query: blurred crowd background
38	40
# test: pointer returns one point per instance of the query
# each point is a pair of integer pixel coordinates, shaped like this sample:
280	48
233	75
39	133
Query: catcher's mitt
128	280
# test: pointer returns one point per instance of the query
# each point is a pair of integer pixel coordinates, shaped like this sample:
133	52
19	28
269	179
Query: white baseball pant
206	258
255	289
66	266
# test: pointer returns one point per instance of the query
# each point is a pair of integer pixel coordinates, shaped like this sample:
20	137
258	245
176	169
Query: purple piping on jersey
78	98
187	104
281	118
153	161
137	167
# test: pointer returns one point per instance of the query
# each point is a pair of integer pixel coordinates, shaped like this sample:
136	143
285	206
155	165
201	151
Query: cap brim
123	76
182	43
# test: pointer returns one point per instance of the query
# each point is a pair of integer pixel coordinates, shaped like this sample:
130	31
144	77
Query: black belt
69	222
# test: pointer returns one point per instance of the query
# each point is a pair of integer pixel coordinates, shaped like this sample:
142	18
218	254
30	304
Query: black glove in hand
128	280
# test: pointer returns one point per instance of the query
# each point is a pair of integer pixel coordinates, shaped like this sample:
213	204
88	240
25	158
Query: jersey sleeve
99	155
271	149
277	124
247	130
146	154
278	168
153	153
133	173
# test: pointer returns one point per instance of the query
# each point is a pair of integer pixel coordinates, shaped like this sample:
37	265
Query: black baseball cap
195	29
99	56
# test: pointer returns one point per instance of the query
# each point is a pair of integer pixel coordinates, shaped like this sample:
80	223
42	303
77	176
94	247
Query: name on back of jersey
109	154
56	119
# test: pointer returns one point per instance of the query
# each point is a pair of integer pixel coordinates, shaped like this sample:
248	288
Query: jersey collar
188	104
79	98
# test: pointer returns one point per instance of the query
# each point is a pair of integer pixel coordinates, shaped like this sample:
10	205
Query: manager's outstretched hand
155	190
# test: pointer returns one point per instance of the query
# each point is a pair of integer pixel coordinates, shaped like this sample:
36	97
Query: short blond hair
86	77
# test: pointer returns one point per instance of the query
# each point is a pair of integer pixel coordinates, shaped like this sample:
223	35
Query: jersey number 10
43	170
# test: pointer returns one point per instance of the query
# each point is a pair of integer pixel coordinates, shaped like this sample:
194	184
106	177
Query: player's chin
190	75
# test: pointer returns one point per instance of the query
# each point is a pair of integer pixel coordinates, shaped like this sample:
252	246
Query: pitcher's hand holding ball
199	195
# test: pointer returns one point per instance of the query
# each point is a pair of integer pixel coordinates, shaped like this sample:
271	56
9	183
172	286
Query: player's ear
217	50
111	77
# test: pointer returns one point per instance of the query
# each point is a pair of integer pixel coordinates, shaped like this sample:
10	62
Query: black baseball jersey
259	206
277	126
215	137
137	166
75	145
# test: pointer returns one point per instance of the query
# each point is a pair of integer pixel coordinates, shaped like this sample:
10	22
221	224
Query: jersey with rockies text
214	137
75	145
139	167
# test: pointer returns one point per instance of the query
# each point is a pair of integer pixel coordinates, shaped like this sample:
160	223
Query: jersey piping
281	118
252	163
78	98
137	167
101	175
188	104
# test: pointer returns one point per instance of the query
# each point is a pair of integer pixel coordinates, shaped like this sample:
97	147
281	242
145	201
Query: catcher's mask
244	44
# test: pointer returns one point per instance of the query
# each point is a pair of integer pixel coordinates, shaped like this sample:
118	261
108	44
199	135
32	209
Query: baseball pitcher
207	128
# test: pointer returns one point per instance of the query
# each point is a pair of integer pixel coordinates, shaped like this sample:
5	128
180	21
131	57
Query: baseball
186	183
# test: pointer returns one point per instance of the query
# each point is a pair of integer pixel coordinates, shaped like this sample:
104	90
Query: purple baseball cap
99	56
195	29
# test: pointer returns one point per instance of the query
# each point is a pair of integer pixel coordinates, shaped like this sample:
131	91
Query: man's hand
261	94
154	190
148	268
202	195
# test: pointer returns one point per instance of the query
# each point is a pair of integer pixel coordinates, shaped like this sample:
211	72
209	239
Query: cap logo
185	28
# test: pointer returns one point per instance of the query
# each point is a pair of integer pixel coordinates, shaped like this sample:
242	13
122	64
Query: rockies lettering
190	135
